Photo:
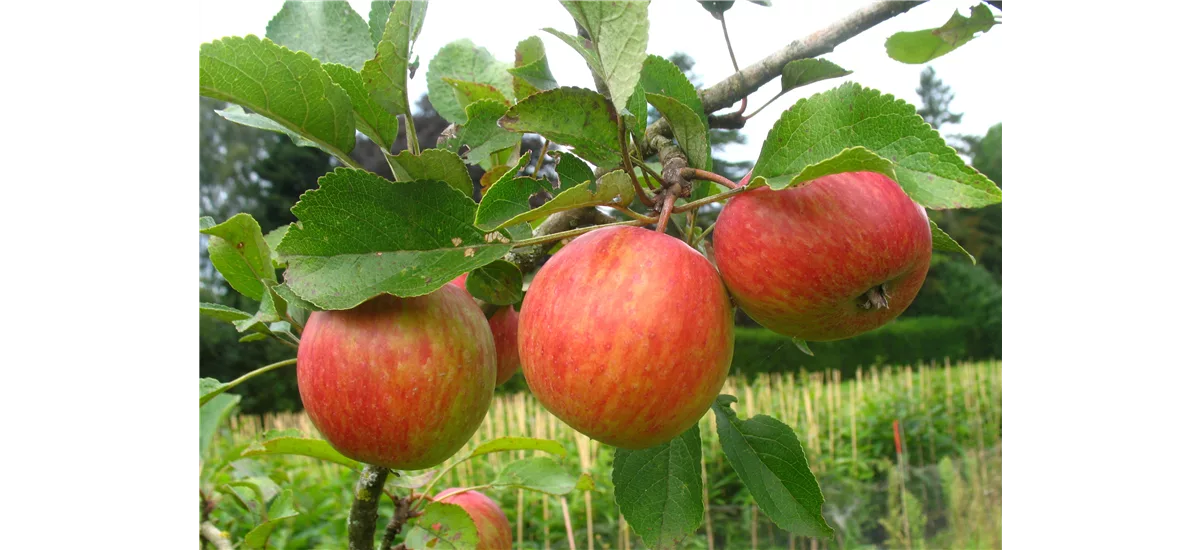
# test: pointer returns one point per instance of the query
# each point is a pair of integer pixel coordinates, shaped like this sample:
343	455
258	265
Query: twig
634	214
733	58
257	372
648	170
713	198
555	237
527	258
401	516
215	536
627	165
541	158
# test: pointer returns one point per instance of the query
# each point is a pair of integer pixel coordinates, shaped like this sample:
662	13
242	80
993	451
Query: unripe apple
398	382
832	259
490	521
504	332
626	335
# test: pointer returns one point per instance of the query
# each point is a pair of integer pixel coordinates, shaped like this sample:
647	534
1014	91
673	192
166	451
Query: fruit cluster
625	334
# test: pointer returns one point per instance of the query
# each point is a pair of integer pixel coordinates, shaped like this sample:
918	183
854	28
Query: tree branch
746	81
215	536
528	257
364	511
726	92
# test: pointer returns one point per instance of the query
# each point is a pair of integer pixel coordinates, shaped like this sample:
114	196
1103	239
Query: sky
682	25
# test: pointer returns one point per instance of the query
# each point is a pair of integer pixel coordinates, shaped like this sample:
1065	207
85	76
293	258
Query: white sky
682	25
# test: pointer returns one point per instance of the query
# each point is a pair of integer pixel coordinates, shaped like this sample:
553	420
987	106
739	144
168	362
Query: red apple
490	521
398	382
833	259
627	335
504	331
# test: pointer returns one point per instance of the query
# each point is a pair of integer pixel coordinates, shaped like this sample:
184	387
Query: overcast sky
682	25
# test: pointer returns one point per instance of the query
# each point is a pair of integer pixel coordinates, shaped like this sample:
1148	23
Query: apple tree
407	300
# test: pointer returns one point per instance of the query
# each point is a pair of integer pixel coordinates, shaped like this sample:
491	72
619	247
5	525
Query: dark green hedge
905	341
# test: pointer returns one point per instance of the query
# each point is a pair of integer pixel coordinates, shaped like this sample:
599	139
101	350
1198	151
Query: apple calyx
875	298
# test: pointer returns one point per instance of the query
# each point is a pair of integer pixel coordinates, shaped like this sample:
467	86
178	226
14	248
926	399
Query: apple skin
627	336
802	261
494	530
398	382
504	331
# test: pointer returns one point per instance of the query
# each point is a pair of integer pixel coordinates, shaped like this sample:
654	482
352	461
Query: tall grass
944	491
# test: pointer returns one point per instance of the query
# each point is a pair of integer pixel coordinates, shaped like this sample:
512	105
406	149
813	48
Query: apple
626	335
504	331
832	259
401	383
490	521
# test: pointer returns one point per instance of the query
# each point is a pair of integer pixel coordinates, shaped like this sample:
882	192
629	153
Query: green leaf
411	480
466	92
287	87
768	458
213	415
237	249
360	235
917	47
329	30
385	76
432	164
282	508
222	312
803	72
689	128
264	488
496	283
271	308
660	76
442	526
540	473
822	126
619	32
235	113
531	70
481	133
943	241
462	60
293	300
577	43
370	117
520	444
252	337
803	346
577	117
507	201
638	114
289	445
210	388
659	489
272	240
377	19
571	171
854	159
716	8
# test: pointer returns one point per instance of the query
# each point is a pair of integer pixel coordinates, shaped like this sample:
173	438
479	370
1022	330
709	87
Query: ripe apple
627	336
398	382
504	331
833	259
490	521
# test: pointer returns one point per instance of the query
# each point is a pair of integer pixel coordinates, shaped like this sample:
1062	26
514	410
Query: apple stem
668	205
364	511
696	173
875	298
